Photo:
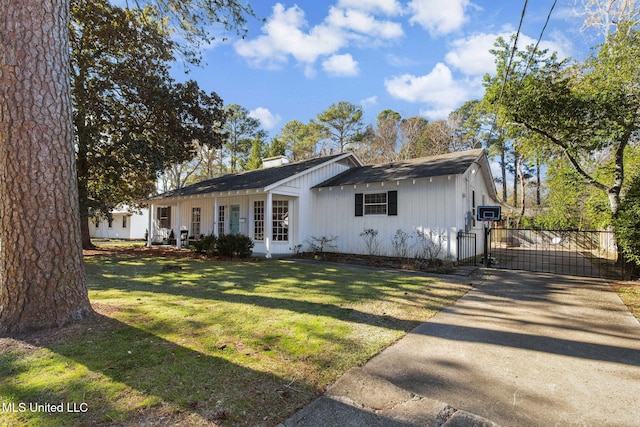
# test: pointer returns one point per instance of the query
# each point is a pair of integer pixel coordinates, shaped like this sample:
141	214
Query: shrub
400	242
370	237
627	223
235	245
206	245
430	243
318	245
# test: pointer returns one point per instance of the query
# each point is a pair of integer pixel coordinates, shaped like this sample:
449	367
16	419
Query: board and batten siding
307	216
425	205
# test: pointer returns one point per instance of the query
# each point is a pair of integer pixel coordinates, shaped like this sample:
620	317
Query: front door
234	220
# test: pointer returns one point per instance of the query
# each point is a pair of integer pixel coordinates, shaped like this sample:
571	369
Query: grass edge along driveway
210	343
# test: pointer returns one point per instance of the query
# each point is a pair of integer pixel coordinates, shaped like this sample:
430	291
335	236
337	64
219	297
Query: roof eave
347	155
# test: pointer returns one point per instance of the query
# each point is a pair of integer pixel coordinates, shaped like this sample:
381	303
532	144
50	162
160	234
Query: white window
164	217
280	223
258	220
220	220
124	221
375	204
196	215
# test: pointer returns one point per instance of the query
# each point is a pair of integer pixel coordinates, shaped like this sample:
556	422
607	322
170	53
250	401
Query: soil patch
426	265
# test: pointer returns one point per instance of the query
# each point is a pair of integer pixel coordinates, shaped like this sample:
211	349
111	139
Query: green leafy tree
627	223
241	130
258	152
276	148
579	110
343	122
42	281
131	120
198	23
301	139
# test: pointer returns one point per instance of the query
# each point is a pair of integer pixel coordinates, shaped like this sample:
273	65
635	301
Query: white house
124	225
284	205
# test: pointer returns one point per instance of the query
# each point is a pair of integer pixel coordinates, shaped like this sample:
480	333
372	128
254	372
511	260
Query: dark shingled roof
254	179
445	164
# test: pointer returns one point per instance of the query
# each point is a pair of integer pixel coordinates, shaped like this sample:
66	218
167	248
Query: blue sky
417	57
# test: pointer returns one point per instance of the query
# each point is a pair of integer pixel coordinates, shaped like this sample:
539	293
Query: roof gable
445	164
255	179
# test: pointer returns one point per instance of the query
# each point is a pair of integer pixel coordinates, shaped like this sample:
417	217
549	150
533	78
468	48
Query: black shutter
359	204
392	203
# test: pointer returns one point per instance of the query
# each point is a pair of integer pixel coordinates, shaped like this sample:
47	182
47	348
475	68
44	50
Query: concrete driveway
520	349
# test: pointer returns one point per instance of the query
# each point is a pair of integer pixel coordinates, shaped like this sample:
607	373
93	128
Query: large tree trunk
42	280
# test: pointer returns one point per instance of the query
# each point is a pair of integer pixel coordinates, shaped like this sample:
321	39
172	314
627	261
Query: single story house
125	224
285	206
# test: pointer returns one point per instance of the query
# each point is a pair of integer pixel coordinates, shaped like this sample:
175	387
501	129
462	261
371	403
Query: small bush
319	245
206	245
235	245
400	242
370	237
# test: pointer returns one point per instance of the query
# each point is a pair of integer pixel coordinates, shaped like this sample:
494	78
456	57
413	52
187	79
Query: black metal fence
467	254
577	253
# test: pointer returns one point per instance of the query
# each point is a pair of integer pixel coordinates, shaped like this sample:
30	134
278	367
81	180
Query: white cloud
438	87
472	57
387	7
437	16
369	102
284	35
341	66
364	23
266	117
287	34
436	114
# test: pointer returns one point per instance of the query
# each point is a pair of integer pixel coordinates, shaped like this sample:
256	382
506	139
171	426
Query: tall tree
131	120
42	281
580	110
413	136
241	130
383	144
343	121
301	139
258	152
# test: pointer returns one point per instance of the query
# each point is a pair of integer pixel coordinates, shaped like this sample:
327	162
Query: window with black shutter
377	203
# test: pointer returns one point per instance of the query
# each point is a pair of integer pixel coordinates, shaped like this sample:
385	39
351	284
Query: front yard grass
210	343
629	293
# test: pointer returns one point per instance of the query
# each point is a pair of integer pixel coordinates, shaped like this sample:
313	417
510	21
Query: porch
264	216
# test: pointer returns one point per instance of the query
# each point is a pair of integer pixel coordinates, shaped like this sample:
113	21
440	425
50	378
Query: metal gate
576	253
467	248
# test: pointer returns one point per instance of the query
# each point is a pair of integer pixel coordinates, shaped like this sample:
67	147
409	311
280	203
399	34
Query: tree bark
42	279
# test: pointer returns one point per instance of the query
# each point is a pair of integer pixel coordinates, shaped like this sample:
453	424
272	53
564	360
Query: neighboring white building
283	206
125	225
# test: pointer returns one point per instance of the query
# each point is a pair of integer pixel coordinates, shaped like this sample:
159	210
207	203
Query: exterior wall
437	206
428	205
136	226
473	185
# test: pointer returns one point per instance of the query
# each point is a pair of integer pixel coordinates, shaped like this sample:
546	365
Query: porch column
216	212
150	225
268	224
178	226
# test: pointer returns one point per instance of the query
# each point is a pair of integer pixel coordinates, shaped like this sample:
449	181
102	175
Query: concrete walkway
521	349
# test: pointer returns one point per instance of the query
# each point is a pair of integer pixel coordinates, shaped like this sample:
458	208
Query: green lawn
230	343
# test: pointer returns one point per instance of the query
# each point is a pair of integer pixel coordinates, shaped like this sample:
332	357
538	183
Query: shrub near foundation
231	245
